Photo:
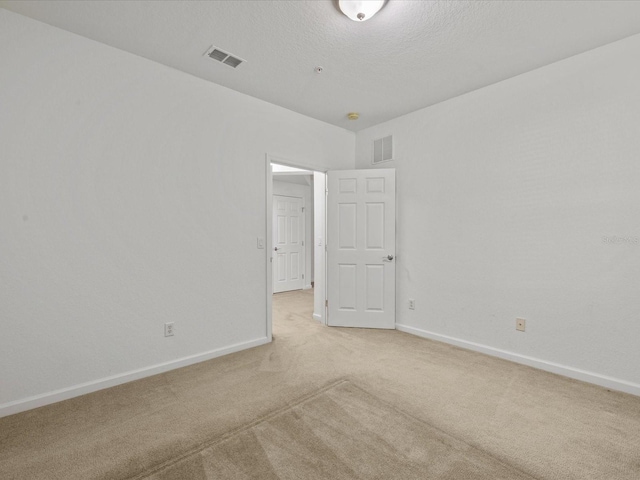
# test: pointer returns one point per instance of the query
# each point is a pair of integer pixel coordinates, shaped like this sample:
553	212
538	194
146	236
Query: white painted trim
571	372
319	252
306	173
324	314
41	400
307	287
268	219
288	163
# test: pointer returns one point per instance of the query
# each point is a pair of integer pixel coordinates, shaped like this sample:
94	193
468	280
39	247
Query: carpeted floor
341	432
204	419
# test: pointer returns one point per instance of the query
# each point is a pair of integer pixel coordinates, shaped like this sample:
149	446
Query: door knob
276	249
388	258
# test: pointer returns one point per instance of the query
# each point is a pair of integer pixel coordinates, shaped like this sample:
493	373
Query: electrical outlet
412	304
260	241
520	324
168	329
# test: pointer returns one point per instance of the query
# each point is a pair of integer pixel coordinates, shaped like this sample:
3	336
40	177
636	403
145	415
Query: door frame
269	159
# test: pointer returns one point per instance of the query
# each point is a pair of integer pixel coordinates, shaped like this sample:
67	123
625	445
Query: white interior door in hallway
288	243
361	243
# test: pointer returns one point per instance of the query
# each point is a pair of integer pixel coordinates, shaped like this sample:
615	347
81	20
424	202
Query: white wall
504	197
130	195
304	192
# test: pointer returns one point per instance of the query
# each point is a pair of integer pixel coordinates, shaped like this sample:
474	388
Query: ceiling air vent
223	57
383	150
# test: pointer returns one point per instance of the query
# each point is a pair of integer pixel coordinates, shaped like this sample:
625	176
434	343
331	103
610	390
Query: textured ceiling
410	55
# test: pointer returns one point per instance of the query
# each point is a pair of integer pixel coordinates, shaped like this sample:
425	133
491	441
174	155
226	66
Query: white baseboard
575	373
318	317
93	386
307	287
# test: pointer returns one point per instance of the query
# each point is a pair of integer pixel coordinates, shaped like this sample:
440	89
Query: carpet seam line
225	436
419	420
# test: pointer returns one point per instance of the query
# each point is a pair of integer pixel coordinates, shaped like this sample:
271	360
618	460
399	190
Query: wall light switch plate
260	242
520	324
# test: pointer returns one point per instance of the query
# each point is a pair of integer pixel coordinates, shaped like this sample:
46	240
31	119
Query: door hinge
303	276
302	209
326	303
303	243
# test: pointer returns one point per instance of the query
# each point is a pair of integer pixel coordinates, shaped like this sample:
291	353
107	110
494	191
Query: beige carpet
341	432
543	425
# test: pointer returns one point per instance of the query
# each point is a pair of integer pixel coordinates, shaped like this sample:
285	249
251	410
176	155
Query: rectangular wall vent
383	149
223	57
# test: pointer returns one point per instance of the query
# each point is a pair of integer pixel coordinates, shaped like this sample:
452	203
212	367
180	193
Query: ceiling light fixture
360	10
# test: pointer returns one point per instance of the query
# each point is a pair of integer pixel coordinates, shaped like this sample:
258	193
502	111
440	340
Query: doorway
287	183
292	228
359	263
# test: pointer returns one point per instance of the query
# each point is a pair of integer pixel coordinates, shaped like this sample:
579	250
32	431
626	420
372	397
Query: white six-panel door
361	244
288	243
